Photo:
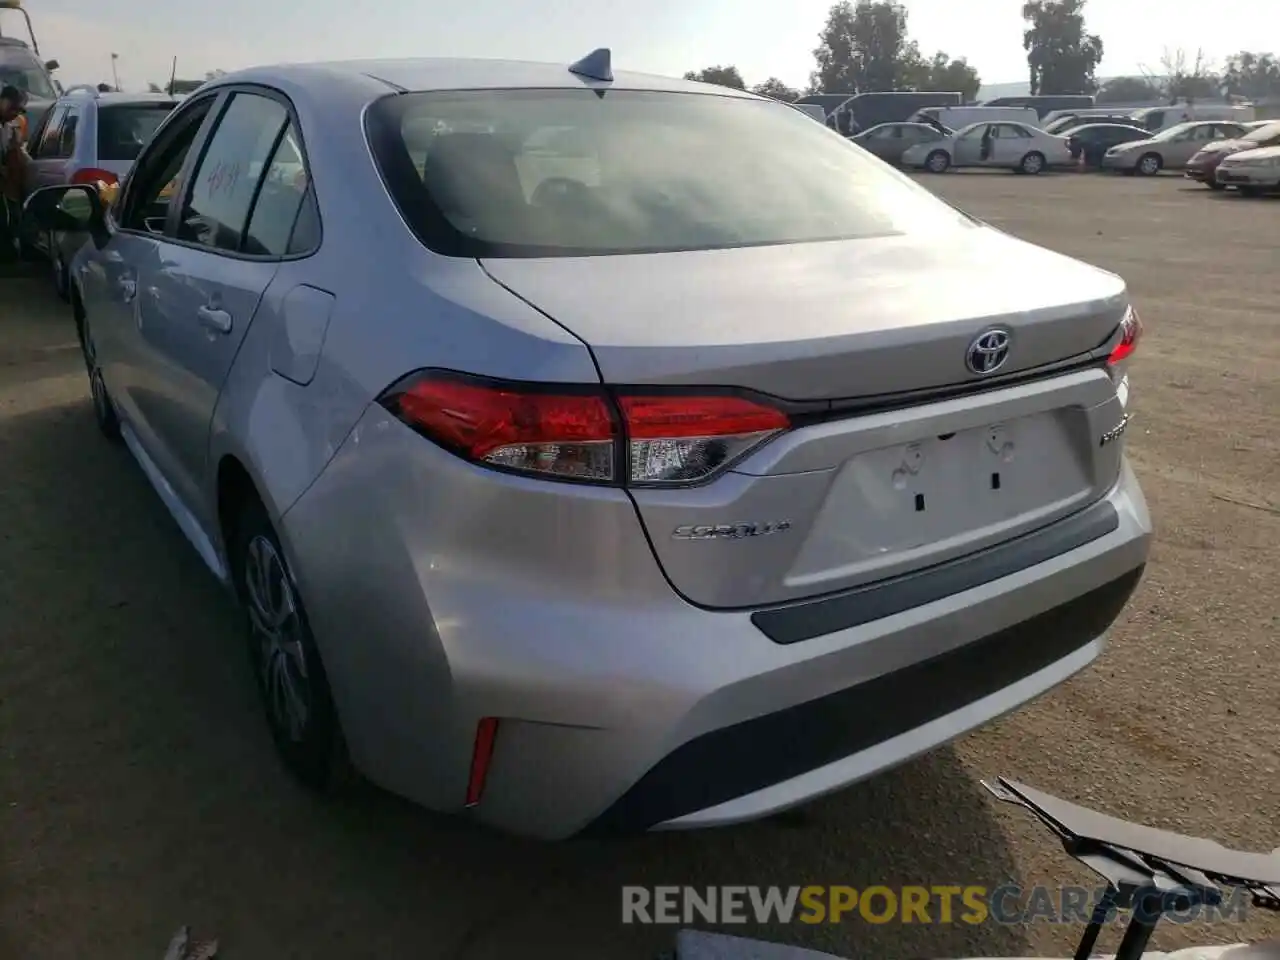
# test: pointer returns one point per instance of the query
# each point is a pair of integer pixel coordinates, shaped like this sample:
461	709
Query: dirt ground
139	792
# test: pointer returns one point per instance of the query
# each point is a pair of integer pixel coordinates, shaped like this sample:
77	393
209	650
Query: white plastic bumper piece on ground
697	945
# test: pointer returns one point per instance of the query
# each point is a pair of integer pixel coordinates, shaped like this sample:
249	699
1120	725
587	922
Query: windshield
1263	134
1175	131
575	172
20	69
123	130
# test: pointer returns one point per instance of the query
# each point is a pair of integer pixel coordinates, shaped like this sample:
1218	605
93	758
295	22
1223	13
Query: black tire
104	411
1032	164
58	267
938	162
1148	165
291	680
1215	185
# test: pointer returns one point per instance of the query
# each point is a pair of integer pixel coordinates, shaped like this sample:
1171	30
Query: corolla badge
729	531
988	351
1116	432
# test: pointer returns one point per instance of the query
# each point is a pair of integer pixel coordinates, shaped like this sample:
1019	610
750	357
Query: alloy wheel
276	625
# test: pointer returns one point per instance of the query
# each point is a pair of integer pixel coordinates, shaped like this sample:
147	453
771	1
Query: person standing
12	167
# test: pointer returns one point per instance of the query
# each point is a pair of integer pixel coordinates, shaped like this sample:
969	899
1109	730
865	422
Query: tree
1182	77
1251	75
862	48
773	87
724	76
941	73
1063	58
1129	90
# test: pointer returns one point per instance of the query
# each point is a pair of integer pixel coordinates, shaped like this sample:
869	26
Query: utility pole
115	74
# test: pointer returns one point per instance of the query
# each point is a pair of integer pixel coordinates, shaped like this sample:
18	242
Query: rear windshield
124	129
528	173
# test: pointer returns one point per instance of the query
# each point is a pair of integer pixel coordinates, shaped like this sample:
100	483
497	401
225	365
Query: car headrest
470	173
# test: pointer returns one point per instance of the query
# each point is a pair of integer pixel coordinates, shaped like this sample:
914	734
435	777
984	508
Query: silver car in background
594	452
889	141
1008	145
88	137
1170	150
1252	172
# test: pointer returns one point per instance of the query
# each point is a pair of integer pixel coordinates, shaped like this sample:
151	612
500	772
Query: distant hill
990	91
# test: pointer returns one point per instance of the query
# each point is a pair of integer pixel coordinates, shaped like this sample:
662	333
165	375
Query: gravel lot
139	791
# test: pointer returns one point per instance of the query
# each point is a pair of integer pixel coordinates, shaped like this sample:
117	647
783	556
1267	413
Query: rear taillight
1130	334
683	439
586	433
92	176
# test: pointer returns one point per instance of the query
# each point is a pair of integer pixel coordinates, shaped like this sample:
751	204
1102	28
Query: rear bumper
441	593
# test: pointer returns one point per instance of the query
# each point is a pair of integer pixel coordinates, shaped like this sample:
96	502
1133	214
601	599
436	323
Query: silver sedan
1170	149
1008	145
594	451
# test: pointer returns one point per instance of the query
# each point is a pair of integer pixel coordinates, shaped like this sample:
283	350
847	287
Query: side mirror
51	65
74	208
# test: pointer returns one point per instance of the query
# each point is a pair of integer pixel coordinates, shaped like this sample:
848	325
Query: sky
762	37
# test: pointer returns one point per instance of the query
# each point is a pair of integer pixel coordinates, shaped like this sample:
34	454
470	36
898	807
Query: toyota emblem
988	351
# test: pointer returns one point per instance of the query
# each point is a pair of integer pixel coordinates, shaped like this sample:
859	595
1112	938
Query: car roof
460	74
108	99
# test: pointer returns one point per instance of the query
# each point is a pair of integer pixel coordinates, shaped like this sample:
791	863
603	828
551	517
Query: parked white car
1252	172
1170	150
1014	146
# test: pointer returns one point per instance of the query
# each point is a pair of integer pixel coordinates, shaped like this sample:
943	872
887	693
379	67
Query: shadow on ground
141	791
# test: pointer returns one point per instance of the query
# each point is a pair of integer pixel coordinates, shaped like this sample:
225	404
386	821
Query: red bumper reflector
481	754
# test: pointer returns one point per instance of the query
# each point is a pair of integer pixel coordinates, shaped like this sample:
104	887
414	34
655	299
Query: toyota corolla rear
833	482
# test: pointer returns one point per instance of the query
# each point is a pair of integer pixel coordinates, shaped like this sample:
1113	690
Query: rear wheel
286	663
1149	164
938	161
1032	164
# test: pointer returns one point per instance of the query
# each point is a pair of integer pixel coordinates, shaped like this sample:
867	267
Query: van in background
958	117
1157	119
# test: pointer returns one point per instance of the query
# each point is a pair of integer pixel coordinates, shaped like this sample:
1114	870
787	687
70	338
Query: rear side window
571	172
282	194
124	129
226	180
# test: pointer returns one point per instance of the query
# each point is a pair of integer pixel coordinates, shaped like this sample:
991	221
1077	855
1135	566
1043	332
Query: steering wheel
560	190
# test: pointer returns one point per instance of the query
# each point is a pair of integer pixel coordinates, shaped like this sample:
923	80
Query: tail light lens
92	176
683	439
1130	334
585	433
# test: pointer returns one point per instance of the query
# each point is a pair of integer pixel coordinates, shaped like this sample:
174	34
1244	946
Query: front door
200	302
119	280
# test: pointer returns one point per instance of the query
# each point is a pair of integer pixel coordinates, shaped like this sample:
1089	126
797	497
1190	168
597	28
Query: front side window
973	133
573	173
154	180
225	182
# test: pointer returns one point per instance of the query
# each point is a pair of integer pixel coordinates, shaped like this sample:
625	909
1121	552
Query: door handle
218	321
128	289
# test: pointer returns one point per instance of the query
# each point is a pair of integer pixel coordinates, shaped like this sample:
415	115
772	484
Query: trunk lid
822	321
909	459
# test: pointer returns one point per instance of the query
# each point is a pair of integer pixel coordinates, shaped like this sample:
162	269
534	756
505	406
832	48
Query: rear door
220	253
1009	144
